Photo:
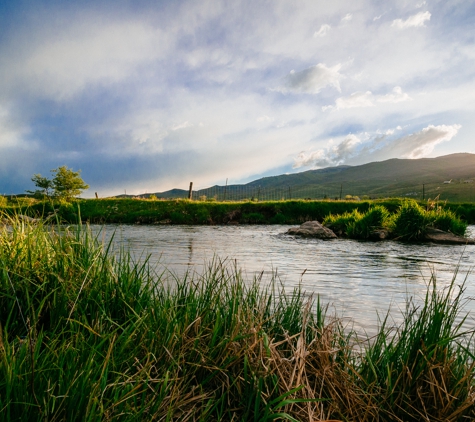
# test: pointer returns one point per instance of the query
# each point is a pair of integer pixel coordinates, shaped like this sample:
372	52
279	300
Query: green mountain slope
418	178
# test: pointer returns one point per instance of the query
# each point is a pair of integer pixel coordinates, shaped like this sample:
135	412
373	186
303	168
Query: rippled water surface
358	279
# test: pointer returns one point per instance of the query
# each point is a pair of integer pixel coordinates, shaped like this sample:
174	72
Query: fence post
341	190
190	192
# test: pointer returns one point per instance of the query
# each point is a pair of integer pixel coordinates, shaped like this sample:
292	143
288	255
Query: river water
359	280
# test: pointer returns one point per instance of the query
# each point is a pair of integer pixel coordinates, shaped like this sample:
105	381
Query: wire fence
463	191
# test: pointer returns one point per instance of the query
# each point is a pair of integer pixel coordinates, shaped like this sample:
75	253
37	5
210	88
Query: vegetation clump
409	222
87	333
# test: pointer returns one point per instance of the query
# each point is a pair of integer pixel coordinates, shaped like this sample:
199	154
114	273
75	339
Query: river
359	280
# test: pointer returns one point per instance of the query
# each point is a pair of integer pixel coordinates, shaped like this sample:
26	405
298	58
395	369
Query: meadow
86	333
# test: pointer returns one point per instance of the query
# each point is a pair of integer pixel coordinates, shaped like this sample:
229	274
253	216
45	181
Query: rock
439	236
379	235
312	229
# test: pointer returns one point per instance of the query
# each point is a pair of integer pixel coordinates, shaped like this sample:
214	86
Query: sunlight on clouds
313	79
367	99
353	150
416	20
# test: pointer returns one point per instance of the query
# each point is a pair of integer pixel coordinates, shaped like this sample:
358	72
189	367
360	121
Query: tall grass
88	334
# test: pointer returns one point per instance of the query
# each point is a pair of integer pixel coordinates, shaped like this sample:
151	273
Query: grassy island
86	333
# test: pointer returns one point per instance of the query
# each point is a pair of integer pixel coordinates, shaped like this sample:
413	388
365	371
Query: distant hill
416	178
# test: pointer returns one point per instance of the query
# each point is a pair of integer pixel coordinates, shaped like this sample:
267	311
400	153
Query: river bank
146	211
87	333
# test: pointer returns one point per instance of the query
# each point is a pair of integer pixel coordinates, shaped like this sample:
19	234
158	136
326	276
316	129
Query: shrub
375	218
446	220
340	223
410	222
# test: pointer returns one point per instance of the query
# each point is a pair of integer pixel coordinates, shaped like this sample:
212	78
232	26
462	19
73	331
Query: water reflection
359	279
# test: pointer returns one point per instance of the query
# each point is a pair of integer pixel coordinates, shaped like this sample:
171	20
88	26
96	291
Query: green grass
86	333
410	222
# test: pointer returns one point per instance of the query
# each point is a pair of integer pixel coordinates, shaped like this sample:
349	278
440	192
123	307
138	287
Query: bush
340	223
376	218
447	221
410	222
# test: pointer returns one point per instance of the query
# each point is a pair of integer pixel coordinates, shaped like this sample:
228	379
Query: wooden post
96	195
225	189
190	192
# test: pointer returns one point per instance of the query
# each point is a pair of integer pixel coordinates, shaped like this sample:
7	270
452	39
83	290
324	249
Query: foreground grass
86	335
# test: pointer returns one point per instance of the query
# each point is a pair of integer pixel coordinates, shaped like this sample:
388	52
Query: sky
145	96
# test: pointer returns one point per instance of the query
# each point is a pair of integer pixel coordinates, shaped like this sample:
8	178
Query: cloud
60	65
348	17
312	80
354	150
322	31
368	99
415	21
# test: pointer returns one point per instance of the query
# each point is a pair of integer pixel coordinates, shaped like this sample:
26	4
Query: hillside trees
65	184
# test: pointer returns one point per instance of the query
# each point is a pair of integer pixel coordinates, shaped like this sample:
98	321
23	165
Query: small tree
66	183
44	184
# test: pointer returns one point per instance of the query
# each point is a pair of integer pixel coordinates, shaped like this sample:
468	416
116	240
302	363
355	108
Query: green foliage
447	221
44	184
410	222
3	201
414	368
87	333
376	218
340	223
65	184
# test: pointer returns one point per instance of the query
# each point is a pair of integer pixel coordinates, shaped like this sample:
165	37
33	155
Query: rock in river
312	229
439	236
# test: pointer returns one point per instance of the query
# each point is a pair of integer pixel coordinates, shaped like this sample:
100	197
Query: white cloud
422	143
397	96
62	64
313	79
333	155
357	99
353	150
416	20
348	17
368	99
322	31
12	131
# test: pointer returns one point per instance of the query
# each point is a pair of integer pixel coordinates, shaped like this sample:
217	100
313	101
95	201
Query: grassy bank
85	335
143	211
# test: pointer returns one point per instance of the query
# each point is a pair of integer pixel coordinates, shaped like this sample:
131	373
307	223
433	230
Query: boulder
439	236
312	229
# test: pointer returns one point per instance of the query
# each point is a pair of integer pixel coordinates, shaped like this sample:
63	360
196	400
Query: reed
87	333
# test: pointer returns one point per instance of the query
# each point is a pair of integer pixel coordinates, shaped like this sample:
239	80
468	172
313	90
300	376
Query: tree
44	184
66	183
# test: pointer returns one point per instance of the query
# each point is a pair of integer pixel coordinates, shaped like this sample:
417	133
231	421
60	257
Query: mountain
418	178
